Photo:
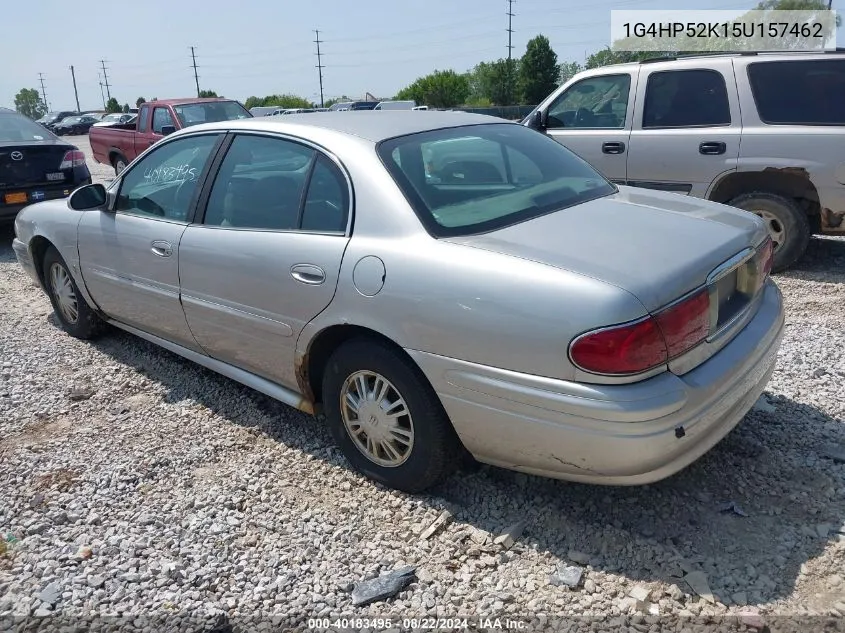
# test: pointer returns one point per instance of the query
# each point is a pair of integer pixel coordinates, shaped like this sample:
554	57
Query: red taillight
71	159
766	256
638	347
685	324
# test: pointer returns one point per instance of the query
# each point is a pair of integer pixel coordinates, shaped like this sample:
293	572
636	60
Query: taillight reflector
72	158
766	255
634	348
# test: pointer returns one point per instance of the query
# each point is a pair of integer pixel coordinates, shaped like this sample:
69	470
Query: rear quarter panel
104	139
813	152
454	300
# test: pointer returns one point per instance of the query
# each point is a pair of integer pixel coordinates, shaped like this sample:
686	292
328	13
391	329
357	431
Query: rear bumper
41	193
608	434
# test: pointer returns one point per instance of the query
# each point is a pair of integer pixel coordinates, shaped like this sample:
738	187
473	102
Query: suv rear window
478	178
799	92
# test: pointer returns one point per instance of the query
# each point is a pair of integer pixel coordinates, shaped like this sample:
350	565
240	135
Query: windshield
16	127
479	178
195	113
72	119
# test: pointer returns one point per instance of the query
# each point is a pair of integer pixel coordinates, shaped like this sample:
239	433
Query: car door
161	116
687	126
266	256
592	117
129	255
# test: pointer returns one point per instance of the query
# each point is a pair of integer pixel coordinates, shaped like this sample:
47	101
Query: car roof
185	101
374	126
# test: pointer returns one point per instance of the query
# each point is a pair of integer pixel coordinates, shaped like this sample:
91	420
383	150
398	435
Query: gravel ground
135	484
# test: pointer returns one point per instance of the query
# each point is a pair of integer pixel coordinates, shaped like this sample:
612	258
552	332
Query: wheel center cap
373	420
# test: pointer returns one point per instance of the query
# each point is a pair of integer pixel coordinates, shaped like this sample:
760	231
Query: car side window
686	98
142	118
162	184
161	117
327	200
595	103
260	184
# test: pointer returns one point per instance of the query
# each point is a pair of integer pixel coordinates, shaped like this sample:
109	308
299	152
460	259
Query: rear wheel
787	223
386	418
119	163
76	317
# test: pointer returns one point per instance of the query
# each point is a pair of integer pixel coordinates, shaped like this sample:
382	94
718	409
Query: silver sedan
432	286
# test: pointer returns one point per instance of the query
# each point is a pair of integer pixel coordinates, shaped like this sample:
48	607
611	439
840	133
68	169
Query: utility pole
102	94
43	91
510	51
106	79
320	67
75	93
196	77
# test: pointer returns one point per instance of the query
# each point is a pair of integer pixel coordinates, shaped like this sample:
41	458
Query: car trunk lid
33	164
657	246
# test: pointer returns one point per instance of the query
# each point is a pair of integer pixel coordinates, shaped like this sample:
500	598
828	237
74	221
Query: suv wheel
787	223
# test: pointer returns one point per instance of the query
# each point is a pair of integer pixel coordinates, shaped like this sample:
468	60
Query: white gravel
171	491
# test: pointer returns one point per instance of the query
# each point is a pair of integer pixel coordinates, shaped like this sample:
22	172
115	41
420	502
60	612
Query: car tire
786	221
429	449
74	314
119	163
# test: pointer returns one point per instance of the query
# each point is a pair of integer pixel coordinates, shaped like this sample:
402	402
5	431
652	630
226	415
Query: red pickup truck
118	145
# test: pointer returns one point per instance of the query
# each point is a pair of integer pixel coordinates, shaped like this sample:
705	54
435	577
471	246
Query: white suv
764	132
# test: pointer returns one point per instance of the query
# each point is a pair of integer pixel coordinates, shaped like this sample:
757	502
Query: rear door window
799	92
686	98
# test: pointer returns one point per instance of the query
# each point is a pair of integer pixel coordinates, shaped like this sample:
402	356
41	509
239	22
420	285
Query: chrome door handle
308	274
162	248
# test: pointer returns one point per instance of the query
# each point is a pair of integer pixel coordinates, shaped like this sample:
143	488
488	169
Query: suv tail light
636	347
72	158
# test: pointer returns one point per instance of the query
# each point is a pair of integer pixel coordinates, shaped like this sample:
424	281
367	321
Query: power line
196	77
43	91
319	66
106	79
75	93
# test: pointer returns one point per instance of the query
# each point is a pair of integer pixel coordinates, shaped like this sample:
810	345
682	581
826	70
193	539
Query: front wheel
787	223
76	317
386	418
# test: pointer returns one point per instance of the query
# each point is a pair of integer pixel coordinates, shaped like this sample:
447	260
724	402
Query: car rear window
16	127
799	92
195	113
473	179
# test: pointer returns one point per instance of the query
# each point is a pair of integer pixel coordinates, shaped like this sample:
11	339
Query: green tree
206	94
29	103
139	101
493	82
796	5
440	89
568	70
113	106
538	70
606	57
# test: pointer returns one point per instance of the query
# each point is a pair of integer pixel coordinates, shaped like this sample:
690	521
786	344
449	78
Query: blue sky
260	47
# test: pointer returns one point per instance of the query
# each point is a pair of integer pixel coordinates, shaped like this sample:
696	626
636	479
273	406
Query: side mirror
537	120
88	197
168	129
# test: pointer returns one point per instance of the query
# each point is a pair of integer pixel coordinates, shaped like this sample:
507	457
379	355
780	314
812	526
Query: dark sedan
51	119
75	124
35	165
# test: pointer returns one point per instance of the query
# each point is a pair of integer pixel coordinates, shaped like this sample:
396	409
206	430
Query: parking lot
135	483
